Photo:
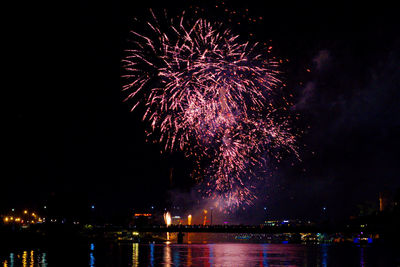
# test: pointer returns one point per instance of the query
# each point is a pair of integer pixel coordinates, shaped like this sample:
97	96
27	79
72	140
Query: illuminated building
287	223
176	220
272	223
142	218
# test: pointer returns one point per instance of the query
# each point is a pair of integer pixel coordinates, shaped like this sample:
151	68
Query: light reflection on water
135	254
324	257
209	255
91	255
247	254
151	255
362	262
24	258
167	256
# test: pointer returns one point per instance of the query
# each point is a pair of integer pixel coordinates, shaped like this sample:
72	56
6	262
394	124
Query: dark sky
70	136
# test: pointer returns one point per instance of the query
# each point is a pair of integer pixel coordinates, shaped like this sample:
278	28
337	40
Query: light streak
167	219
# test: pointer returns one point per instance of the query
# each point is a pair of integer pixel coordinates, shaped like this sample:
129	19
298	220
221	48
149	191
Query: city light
143	214
16	217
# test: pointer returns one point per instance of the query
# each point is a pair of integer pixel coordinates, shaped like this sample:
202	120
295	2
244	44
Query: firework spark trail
167	219
210	96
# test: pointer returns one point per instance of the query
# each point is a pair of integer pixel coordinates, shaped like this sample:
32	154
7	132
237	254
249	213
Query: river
215	254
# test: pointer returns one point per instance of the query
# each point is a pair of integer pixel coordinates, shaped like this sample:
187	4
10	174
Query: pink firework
211	96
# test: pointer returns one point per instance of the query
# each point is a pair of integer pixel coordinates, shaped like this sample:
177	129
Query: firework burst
213	97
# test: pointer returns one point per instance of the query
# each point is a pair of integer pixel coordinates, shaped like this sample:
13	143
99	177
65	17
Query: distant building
288	223
272	223
176	220
142	219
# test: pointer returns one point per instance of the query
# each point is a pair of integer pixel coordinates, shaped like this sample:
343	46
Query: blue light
211	254
176	258
92	260
91	256
265	258
12	259
43	261
324	255
152	254
92	207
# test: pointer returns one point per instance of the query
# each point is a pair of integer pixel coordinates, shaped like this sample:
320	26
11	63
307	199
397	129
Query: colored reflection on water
362	260
91	255
324	257
208	255
25	258
151	261
135	254
167	261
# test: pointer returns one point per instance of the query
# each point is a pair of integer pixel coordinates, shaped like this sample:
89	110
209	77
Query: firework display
167	219
212	96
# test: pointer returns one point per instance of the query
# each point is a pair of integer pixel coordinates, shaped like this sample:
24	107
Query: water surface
219	254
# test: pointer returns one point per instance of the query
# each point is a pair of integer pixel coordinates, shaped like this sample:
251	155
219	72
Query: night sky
70	138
